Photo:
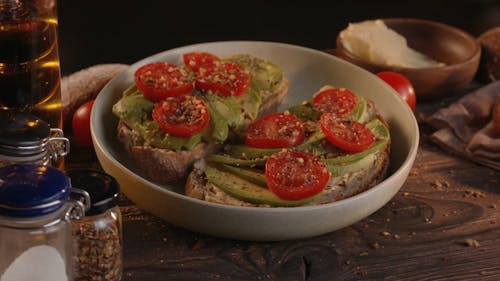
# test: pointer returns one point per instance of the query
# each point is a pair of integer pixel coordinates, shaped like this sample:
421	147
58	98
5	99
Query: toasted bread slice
338	188
165	165
348	178
158	164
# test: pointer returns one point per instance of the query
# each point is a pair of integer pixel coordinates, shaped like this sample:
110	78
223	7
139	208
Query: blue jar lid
32	190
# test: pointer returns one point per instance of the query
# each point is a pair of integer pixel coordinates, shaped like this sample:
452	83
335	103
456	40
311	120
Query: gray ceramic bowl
307	70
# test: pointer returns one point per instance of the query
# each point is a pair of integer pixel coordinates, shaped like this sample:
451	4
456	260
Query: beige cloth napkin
84	85
465	127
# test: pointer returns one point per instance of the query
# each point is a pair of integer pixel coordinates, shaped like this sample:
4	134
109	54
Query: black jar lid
103	189
22	134
28	190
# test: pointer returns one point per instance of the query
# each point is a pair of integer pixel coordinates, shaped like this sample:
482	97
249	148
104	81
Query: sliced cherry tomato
195	60
346	134
402	85
224	78
335	100
80	124
181	116
159	80
295	174
276	130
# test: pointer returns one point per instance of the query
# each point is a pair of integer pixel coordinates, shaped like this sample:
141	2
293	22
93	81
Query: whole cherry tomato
402	85
81	124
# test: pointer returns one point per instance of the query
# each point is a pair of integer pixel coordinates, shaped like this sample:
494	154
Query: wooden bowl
456	48
489	65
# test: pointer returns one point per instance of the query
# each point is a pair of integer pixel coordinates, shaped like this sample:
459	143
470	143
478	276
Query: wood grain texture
444	224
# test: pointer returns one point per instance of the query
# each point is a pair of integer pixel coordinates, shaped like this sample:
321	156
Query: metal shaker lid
22	134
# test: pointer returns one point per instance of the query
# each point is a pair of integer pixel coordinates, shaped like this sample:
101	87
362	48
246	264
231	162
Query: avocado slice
358	165
247	191
219	124
248	174
224	159
305	112
225	116
377	146
247	152
378	128
359	109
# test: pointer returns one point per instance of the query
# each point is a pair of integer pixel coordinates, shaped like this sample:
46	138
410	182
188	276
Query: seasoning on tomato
276	130
224	78
181	116
346	134
159	80
295	174
340	101
196	60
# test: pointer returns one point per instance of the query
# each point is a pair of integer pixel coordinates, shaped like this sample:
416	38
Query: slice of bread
371	172
157	164
338	188
164	165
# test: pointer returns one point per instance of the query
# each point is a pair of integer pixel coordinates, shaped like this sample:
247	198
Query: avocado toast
165	156
240	175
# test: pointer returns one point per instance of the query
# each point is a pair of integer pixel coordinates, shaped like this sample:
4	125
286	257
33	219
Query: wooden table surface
444	224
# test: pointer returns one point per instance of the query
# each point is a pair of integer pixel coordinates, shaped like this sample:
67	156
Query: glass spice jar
35	214
98	236
26	139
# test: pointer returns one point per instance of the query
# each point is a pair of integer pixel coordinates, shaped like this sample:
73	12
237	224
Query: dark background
112	31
